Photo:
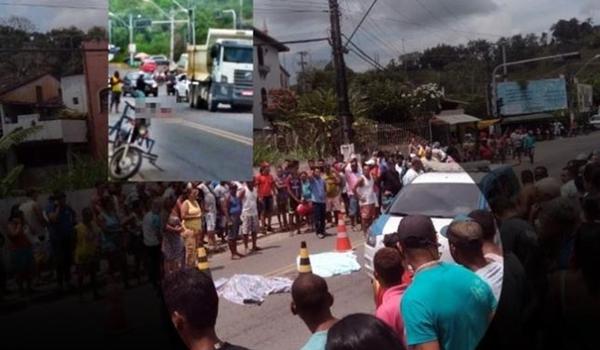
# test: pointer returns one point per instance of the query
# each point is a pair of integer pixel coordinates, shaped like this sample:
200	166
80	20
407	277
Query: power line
360	22
362	52
300	41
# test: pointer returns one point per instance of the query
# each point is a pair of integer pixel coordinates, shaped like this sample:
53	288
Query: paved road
198	145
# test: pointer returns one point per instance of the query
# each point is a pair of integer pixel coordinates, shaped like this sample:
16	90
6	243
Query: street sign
347	150
534	96
131	48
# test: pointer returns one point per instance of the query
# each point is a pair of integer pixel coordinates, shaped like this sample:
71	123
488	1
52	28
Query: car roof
444	177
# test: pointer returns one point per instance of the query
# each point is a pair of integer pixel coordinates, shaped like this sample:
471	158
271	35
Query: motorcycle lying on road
131	143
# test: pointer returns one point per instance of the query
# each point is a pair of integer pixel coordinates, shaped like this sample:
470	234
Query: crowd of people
537	289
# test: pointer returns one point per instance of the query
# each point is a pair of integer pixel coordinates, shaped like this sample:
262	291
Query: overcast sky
421	23
50	14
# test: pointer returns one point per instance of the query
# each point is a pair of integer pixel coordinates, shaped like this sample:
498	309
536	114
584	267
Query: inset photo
53	95
181	82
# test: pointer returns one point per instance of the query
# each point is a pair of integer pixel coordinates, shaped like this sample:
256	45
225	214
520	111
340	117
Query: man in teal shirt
312	302
446	306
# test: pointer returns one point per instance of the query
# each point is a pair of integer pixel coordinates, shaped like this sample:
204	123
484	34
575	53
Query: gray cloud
52	14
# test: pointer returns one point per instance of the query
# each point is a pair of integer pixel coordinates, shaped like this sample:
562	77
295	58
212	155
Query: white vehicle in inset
182	88
441	196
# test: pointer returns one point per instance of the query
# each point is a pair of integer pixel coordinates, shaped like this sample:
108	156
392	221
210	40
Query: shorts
234	228
282	203
352	206
265	205
211	221
116	96
249	224
367	211
334	204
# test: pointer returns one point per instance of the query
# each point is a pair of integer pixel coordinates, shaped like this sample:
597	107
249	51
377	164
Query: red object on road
148	66
342	243
304	208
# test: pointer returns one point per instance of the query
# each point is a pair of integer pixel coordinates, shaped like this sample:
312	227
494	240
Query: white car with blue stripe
441	196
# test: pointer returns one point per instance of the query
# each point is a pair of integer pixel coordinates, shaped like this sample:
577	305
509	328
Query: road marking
291	267
218	132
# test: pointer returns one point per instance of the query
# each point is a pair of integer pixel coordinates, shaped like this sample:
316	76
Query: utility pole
302	64
340	69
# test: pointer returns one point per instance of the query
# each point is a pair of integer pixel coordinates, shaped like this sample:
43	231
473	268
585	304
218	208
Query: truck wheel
211	103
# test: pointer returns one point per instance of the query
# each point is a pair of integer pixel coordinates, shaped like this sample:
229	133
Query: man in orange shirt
265	184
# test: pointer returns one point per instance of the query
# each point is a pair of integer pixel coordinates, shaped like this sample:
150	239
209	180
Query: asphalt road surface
198	145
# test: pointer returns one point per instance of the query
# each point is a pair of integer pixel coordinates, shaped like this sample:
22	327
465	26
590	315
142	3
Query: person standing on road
364	190
529	145
415	170
21	250
210	213
34	218
140	85
446	305
191	217
318	199
312	302
352	174
233	210
516	140
249	197
116	87
295	196
333	191
87	251
282	198
266	187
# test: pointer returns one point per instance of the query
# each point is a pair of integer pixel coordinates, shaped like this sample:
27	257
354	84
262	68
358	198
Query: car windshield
238	54
440	200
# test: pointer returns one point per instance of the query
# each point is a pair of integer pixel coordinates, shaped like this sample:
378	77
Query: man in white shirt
151	228
247	193
465	237
415	170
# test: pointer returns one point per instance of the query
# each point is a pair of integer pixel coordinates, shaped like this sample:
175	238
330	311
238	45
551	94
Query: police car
441	196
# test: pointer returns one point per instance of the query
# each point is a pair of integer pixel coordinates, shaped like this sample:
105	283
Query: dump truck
221	70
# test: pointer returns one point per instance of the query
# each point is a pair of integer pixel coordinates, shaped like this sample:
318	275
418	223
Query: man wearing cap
446	306
465	237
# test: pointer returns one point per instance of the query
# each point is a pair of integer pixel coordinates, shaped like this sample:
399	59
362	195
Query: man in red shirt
265	184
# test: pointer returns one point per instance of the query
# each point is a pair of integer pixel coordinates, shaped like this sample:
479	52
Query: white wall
68	131
271	81
74	92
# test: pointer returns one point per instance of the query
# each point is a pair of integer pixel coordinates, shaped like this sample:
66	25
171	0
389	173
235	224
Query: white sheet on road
251	289
333	263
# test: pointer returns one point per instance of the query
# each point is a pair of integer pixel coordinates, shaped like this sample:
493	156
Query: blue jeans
319	214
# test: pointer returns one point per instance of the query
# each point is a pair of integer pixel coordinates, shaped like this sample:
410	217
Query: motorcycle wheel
124	168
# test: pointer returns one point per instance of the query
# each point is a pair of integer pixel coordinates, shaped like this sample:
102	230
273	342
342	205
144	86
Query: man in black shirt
193	304
389	183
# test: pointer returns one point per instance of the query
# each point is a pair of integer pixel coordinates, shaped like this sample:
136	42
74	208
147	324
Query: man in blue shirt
446	306
312	302
317	187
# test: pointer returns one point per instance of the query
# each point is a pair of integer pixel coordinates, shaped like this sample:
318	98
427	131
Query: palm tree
8	181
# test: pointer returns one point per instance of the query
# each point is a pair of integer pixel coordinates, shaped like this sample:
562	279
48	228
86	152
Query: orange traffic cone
342	243
304	266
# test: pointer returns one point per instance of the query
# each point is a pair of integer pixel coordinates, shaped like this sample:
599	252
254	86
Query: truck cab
220	71
232	73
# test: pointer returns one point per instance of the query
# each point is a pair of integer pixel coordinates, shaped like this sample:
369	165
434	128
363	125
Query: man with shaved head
465	237
312	302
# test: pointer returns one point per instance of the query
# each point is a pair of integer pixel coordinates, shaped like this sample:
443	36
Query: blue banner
534	97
